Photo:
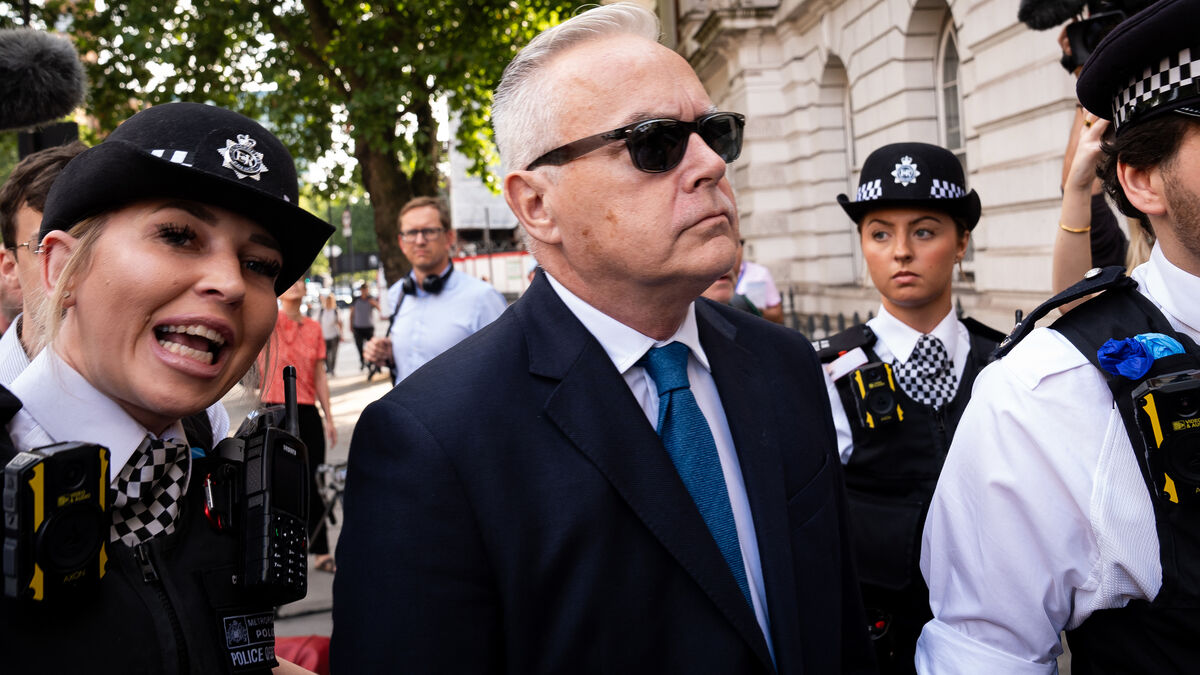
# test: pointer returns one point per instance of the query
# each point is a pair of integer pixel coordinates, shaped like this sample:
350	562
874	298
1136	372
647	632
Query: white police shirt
1041	516
895	342
13	359
427	325
625	347
59	405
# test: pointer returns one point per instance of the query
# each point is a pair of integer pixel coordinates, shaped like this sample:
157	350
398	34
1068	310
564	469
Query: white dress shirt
625	346
1041	516
895	342
13	359
427	325
58	405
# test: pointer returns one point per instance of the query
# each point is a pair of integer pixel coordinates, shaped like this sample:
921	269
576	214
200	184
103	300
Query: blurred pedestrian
297	341
433	307
362	320
331	330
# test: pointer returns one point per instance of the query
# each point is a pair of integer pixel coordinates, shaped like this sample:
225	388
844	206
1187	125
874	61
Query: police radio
874	390
260	494
1168	416
56	521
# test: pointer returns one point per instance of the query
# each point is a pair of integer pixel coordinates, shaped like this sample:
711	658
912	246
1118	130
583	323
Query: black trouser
331	347
312	433
361	335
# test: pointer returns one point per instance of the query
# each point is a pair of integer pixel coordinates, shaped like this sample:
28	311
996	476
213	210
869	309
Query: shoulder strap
834	346
981	330
1119	313
198	430
1097	279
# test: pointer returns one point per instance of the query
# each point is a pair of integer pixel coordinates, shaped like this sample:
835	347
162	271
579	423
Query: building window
950	95
950	120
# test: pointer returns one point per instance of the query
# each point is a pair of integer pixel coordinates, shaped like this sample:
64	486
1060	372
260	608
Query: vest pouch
246	630
885	533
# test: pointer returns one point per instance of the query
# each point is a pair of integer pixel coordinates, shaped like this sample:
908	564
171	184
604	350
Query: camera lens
1185	406
71	538
72	476
881	402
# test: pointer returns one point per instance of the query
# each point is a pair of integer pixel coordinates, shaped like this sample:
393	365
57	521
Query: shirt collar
902	338
624	345
68	408
1172	288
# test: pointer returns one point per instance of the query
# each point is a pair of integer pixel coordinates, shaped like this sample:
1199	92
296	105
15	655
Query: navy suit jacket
509	508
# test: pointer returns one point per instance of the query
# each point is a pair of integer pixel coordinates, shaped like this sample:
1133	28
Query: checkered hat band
148	490
1172	79
870	190
944	189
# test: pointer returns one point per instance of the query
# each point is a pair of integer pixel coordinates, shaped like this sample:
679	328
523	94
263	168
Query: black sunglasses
658	145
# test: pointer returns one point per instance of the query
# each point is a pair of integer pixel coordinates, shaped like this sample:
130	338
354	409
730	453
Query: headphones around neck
430	284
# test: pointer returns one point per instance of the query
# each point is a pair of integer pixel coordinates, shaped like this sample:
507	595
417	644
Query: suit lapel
751	411
594	408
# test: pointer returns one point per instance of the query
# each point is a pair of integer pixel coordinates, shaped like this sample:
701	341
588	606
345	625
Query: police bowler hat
197	152
913	175
1147	66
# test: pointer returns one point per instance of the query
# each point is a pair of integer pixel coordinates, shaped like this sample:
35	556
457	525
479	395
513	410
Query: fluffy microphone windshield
41	78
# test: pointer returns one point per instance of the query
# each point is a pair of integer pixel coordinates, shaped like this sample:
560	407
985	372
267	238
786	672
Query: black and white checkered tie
148	491
928	375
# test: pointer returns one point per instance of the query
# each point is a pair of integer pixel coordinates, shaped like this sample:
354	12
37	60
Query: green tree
326	75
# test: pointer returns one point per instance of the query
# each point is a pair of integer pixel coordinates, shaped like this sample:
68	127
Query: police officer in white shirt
1053	511
914	217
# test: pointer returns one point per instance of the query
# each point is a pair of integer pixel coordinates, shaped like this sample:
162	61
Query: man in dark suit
553	495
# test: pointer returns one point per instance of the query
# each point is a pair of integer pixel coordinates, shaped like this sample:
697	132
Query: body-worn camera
260	494
1168	416
56	521
874	391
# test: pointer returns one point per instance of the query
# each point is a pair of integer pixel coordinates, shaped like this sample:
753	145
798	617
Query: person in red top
298	341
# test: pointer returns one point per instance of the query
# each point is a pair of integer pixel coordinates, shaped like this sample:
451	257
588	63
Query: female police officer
899	383
163	250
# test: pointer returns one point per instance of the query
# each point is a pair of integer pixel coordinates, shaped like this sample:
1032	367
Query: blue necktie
689	442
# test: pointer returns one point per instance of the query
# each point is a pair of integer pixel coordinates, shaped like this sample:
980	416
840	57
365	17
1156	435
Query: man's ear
525	192
1144	188
57	248
8	267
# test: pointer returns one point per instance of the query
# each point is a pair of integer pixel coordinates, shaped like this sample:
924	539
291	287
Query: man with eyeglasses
22	199
434	307
613	476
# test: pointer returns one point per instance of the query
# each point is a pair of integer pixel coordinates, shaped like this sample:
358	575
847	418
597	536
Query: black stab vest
893	470
191	619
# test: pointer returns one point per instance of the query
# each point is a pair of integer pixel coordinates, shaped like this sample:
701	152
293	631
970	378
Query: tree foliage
326	75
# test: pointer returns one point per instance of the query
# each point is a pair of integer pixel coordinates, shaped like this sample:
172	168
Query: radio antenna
291	423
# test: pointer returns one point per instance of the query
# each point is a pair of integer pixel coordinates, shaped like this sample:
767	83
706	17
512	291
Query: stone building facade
824	82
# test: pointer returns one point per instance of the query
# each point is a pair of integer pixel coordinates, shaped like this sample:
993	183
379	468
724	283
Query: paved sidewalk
349	393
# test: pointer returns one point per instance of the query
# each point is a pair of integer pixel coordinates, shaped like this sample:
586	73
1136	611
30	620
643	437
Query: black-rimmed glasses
658	145
429	234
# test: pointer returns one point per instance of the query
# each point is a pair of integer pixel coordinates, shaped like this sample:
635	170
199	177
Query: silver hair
524	105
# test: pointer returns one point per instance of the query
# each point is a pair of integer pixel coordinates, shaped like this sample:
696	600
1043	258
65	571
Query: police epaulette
1095	280
834	346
